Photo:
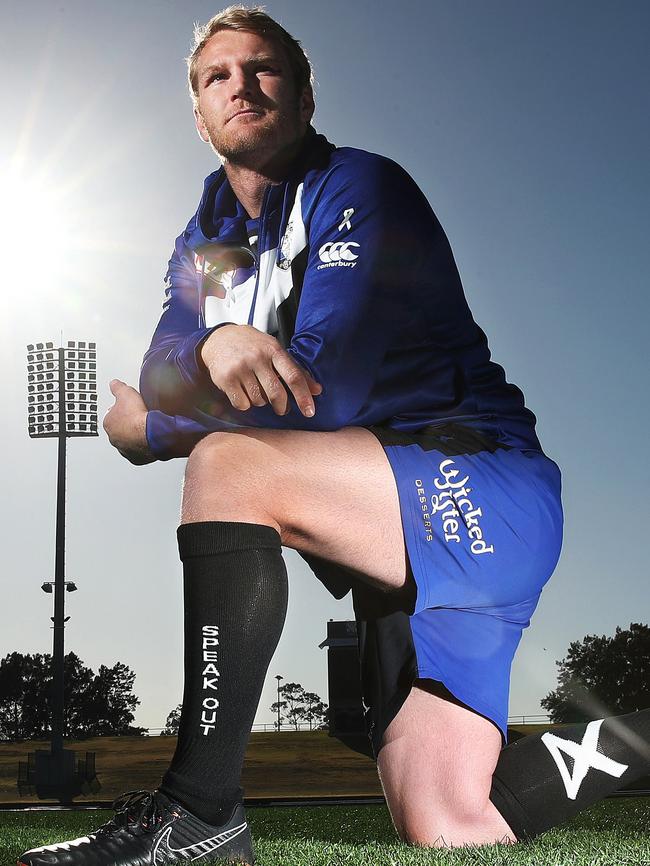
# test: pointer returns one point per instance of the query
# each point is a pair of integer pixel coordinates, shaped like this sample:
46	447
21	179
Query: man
317	362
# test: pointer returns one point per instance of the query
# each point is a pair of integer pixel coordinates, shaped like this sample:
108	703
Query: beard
270	133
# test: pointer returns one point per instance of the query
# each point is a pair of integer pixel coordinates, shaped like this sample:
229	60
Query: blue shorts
483	530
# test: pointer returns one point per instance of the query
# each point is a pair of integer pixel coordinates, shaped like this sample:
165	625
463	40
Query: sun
36	228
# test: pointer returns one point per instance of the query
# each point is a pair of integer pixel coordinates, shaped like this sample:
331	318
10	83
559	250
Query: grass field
613	833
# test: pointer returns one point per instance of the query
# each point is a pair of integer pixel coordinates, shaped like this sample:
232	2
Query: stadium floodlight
62	403
62	390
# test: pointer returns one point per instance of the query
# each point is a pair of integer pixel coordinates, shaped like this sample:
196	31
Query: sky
527	127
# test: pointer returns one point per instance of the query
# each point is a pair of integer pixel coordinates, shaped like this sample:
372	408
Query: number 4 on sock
585	756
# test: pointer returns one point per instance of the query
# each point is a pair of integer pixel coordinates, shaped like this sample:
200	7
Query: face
247	99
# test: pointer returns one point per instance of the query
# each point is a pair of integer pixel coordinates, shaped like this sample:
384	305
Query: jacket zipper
260	247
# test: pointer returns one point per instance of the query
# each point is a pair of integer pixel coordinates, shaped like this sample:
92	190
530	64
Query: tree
24	696
95	705
107	706
315	711
172	723
293	697
297	706
281	706
602	676
77	686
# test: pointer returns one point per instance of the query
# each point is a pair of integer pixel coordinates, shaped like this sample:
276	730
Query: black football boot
148	829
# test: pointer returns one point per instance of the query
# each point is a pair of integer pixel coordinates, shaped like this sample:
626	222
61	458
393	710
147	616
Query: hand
125	424
252	369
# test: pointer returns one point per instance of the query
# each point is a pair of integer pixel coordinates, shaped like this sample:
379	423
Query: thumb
116	385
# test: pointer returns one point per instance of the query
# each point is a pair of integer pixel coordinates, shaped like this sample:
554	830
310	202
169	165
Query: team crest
284	253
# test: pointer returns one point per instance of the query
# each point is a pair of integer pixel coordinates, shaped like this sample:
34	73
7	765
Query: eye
216	76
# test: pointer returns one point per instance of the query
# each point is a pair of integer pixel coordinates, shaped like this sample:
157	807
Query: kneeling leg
435	765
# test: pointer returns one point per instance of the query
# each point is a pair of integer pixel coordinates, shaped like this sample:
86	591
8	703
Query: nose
243	84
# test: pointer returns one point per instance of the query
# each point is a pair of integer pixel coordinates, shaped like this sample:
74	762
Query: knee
223	457
444	828
435	827
444	815
228	474
209	453
210	460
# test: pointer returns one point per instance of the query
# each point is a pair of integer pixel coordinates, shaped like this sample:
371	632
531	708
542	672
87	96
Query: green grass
613	833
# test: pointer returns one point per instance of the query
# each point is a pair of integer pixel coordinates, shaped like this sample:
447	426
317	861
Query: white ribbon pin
347	213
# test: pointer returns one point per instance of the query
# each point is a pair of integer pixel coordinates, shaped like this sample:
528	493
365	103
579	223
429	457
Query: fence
263	728
270	727
539	719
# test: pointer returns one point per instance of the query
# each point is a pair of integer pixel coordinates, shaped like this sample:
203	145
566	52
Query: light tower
279	678
62	403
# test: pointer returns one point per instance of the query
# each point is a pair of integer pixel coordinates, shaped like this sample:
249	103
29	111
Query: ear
307	105
201	128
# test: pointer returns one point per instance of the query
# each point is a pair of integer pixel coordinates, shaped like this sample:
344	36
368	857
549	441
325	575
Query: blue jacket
348	267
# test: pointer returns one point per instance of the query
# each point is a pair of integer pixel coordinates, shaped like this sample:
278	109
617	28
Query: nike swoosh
196	849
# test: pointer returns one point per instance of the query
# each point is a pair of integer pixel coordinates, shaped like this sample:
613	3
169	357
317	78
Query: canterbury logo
163	849
338	252
585	756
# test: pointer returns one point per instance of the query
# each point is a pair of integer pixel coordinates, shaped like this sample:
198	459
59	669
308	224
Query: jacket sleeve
367	224
184	405
172	378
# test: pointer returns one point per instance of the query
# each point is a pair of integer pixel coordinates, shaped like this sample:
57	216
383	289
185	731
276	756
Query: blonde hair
251	19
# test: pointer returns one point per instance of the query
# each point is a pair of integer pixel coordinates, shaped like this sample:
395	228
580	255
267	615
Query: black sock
544	779
235	600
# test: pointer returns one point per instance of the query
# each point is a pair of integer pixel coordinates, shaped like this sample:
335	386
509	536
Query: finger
274	389
295	378
254	391
314	387
237	396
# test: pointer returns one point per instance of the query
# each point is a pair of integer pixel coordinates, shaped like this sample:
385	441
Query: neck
248	185
250	174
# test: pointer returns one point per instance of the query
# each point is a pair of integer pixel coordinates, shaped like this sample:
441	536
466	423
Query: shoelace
137	812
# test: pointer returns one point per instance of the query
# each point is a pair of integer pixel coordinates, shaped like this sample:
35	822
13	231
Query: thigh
436	765
335	497
469	652
332	495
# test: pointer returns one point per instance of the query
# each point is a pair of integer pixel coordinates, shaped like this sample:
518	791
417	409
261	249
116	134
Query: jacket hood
221	218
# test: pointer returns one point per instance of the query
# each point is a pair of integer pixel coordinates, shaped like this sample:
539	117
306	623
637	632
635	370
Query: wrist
142	424
203	349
